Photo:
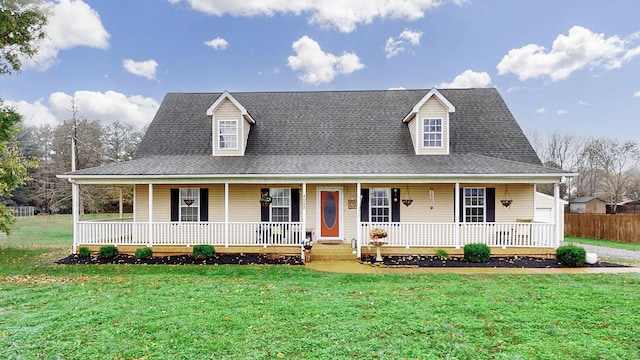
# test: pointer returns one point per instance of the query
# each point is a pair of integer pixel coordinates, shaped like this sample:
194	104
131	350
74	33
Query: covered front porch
507	230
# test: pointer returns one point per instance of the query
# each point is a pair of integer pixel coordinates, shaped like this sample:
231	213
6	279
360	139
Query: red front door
329	214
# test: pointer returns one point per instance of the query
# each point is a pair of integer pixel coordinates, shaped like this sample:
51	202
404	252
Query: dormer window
432	132
428	123
228	131
231	124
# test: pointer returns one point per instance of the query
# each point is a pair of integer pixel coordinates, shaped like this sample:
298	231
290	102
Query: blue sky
568	66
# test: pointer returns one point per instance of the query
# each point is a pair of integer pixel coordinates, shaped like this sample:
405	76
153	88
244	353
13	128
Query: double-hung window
228	131
380	205
474	204
280	204
189	204
432	132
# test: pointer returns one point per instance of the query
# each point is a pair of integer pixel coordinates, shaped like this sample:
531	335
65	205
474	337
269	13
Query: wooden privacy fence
618	227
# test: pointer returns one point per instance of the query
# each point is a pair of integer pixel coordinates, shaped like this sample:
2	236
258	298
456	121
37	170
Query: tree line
96	145
607	168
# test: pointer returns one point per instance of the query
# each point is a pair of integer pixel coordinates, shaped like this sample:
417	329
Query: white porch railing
280	234
444	234
189	233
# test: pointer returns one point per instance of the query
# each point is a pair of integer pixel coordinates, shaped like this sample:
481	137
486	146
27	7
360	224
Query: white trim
464	204
218	141
226	95
358	220
181	202
442	133
226	214
75	208
431	93
150	225
340	213
456	211
544	178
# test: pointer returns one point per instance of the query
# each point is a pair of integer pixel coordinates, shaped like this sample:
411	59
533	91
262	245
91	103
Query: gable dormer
428	123
230	123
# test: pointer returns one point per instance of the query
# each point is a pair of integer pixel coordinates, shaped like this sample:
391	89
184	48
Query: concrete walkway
355	267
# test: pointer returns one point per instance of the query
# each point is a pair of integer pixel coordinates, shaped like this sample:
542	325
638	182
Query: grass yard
287	312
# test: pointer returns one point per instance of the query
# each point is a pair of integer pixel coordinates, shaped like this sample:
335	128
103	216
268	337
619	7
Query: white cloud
339	14
145	69
105	107
72	23
468	79
33	114
217	43
400	44
580	49
541	111
636	94
397	88
317	66
562	112
583	103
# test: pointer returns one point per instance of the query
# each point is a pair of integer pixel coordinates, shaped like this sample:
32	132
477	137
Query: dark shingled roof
337	132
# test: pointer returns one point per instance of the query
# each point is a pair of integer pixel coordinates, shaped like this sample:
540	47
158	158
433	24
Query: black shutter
204	204
461	203
264	210
175	208
395	205
364	205
491	204
295	205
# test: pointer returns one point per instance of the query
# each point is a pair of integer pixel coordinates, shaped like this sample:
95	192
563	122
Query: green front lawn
259	312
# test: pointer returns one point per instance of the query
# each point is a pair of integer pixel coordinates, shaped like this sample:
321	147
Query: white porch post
226	214
304	218
556	215
75	205
359	223
120	209
456	199
150	215
135	203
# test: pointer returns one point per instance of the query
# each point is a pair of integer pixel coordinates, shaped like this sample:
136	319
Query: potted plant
307	244
377	236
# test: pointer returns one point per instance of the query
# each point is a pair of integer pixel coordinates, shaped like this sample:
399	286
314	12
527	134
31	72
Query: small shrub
84	252
571	255
442	255
477	252
108	252
144	253
203	251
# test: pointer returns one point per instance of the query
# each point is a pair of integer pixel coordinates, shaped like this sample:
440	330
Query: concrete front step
323	252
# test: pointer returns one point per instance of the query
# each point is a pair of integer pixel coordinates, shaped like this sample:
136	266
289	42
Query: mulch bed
398	261
218	259
497	262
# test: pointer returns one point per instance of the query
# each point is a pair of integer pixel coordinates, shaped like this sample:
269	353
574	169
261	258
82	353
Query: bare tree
616	161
